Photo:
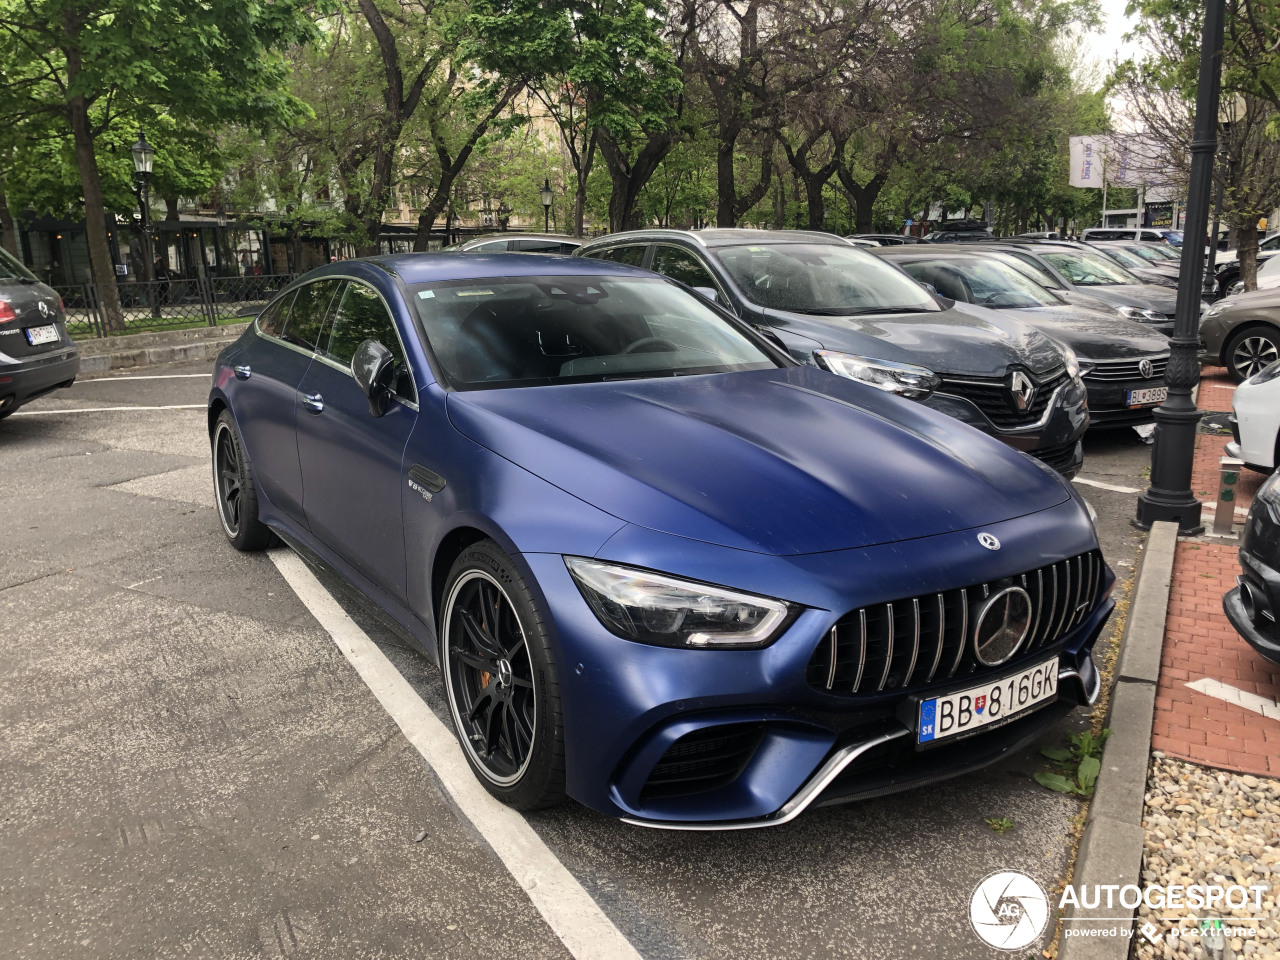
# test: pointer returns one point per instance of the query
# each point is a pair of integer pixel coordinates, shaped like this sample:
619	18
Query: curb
100	357
1112	846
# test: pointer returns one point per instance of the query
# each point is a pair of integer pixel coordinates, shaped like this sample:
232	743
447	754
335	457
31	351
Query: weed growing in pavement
1000	825
1079	764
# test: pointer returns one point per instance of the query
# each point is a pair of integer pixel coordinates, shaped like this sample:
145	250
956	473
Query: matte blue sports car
665	570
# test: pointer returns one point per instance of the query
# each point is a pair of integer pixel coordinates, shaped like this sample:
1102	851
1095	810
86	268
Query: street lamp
143	155
1169	497
547	197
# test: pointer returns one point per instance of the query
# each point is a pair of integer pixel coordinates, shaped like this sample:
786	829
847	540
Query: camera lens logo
1008	910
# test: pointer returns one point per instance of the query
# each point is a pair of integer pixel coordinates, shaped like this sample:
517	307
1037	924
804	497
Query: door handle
242	371
313	402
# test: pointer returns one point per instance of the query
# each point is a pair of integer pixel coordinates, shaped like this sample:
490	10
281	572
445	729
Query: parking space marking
1241	698
50	413
568	909
155	376
1105	486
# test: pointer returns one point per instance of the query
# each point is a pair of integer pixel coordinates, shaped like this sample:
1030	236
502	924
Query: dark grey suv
36	352
833	304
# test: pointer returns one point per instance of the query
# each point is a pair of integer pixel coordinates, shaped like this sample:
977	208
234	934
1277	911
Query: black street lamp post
143	155
547	197
1169	497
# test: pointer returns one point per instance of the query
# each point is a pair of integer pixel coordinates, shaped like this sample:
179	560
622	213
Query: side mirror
709	293
928	286
374	368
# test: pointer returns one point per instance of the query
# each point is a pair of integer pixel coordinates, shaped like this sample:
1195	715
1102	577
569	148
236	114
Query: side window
536	246
310	308
632	256
567	248
271	320
493	246
681	265
360	315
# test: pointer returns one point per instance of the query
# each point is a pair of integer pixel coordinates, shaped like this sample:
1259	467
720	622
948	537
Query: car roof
725	236
485	238
437	267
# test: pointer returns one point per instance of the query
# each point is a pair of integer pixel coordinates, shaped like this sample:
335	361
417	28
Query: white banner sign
1118	160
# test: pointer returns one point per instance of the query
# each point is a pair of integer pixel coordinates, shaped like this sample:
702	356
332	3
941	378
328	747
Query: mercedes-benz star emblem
1021	391
1146	368
1001	626
44	309
989	541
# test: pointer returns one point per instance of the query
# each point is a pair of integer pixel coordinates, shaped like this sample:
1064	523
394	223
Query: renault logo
44	309
1146	368
989	541
1021	391
1001	626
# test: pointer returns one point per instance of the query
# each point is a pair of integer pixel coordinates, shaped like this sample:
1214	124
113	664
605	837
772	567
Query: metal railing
165	304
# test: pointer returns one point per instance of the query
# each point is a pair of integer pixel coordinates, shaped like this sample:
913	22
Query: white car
1256	423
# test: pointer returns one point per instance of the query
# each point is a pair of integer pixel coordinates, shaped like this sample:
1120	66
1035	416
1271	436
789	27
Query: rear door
269	370
351	460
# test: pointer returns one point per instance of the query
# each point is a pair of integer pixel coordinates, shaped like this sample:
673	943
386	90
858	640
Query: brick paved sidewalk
1200	644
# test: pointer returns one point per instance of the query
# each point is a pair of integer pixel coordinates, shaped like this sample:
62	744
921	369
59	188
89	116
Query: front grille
919	640
1111	370
992	397
703	760
1061	457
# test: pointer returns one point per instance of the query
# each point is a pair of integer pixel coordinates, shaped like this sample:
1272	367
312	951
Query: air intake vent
703	760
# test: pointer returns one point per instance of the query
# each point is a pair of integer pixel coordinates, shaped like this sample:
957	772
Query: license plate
1146	398
39	335
992	702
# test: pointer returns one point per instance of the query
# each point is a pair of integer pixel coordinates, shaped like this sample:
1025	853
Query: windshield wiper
863	311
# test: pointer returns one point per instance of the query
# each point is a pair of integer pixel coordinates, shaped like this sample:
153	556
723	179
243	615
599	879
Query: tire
500	680
233	489
1250	349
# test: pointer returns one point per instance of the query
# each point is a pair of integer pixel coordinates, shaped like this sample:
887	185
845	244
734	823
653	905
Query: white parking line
1241	698
50	413
567	908
156	376
1105	486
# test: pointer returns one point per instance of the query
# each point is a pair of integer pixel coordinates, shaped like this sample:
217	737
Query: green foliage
1000	825
1078	765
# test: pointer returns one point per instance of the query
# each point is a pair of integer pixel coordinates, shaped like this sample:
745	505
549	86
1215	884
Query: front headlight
1074	369
1218	308
1142	316
1266	374
1270	490
905	379
650	607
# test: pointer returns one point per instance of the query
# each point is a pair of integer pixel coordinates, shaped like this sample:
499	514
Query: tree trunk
95	214
1246	229
436	203
864	198
629	178
726	188
813	185
8	235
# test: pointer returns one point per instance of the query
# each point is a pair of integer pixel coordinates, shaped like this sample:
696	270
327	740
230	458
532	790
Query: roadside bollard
1224	516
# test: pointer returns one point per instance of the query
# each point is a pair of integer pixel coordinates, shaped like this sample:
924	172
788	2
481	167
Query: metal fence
165	304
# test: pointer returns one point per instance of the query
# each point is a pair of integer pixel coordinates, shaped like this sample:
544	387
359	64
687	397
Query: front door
350	459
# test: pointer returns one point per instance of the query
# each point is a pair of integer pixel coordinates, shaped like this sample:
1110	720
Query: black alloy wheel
233	489
1251	351
500	682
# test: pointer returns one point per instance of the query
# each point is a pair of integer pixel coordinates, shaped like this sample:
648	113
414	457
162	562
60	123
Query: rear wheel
500	680
1252	350
233	489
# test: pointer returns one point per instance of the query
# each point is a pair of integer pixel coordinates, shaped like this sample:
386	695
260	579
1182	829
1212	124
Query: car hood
1144	296
785	461
960	340
1094	334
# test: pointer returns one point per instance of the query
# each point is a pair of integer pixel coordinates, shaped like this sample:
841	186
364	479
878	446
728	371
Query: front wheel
1252	350
500	680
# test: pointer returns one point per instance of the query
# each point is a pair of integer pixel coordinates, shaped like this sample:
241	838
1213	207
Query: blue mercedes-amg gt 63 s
665	569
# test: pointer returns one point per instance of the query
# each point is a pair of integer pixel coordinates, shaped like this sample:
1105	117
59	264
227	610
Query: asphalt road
191	767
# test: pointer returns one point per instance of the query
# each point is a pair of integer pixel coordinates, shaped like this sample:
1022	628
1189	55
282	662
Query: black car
959	231
37	354
1122	362
1253	607
845	309
884	239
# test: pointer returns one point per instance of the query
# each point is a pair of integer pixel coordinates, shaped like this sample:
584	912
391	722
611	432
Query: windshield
823	279
11	267
1088	269
1145	253
1162	251
1124	257
988	282
529	331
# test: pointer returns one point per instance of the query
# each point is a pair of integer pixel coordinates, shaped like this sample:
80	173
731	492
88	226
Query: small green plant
1078	765
1000	825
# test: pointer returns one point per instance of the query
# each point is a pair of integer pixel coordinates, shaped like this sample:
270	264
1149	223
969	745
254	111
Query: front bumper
625	705
1253	607
25	380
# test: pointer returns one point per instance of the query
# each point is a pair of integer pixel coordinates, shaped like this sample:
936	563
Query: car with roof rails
1071	269
1122	362
1146	234
37	355
851	312
958	231
664	569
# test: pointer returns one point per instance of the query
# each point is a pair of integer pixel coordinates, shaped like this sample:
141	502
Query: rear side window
307	316
632	255
537	246
360	315
493	246
11	267
271	320
681	265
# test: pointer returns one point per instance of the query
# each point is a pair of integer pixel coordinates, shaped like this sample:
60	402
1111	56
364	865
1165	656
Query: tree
90	63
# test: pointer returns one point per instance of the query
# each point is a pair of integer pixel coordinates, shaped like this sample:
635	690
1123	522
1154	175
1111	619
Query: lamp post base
1153	507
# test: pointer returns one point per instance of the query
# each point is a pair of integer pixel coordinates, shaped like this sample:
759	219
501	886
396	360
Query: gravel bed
1210	827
